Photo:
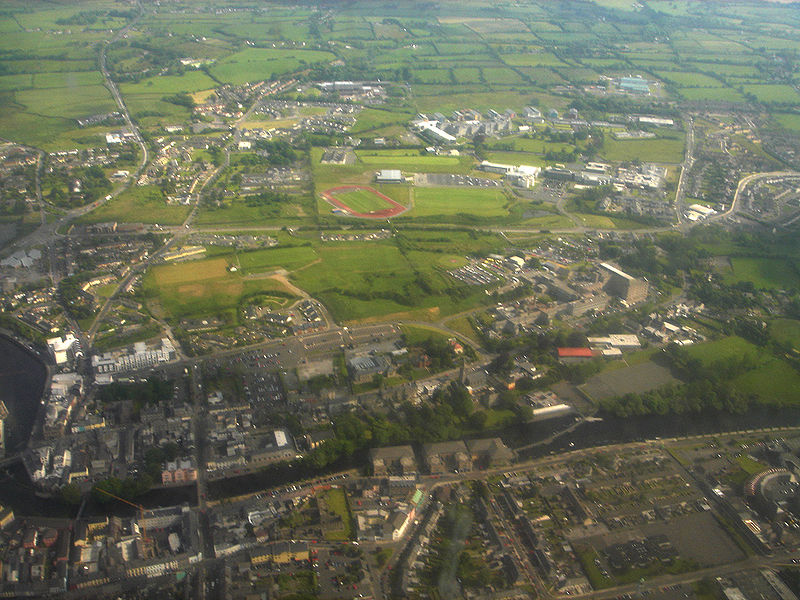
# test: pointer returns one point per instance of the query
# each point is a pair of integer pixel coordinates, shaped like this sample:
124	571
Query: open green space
786	332
764	273
362	201
773	93
145	204
772	381
205	287
255	64
411	285
658	150
444	201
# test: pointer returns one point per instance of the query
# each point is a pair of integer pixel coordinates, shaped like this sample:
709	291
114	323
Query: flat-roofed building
624	286
389	176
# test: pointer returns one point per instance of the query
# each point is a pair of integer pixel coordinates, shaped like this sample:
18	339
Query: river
22	380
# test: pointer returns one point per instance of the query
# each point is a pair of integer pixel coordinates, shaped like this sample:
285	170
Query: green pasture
714	94
168	85
372	118
539	59
414	161
202	288
689	79
254	64
288	258
777	93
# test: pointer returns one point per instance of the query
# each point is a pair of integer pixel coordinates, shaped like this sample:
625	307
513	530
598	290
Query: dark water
612	430
22	380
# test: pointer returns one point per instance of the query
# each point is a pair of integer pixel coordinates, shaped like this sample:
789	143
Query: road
48	231
688	161
743	183
200	428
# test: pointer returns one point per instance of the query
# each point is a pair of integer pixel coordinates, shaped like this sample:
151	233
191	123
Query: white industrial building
432	129
389	176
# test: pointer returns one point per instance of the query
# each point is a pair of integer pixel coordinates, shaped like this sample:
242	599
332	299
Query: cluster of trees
77	303
151	391
280	152
93	185
181	99
446	417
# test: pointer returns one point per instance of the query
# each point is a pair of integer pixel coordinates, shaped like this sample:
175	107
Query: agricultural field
255	64
412	160
386	286
239	212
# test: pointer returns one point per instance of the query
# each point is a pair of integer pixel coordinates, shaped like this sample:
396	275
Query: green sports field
435	201
362	201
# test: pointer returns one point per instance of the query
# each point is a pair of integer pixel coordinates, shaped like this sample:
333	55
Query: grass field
255	64
764	273
788	120
786	332
413	161
202	288
289	258
659	150
772	382
430	202
782	94
387	284
138	205
336	502
362	201
634	379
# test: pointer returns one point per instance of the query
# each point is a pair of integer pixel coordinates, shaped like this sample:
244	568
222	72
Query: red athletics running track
385	213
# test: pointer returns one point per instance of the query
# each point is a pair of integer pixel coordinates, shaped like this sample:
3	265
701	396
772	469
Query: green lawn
362	201
435	202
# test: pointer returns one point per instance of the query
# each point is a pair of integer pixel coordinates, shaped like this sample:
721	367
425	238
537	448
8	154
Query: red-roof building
575	353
